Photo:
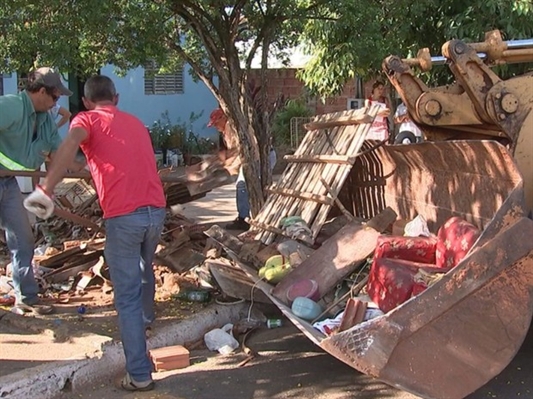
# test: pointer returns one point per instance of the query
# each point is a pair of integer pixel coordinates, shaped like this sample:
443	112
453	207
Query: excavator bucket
465	329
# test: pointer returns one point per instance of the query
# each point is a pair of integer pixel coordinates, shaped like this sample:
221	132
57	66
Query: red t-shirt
121	160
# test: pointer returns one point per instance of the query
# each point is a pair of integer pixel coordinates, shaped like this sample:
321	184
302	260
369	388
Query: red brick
170	358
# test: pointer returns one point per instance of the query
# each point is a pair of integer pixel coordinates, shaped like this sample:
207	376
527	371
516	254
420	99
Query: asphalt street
290	366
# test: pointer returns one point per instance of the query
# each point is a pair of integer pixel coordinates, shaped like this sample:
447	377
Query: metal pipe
510	44
523	43
441	60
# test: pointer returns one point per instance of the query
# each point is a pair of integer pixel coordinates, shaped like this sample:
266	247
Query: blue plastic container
306	308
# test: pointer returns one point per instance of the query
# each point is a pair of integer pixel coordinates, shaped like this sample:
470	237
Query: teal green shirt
26	136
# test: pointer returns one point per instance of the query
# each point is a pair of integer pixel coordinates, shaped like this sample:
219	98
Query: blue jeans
19	237
243	200
131	241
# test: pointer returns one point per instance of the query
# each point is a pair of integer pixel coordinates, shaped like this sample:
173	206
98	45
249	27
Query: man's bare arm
63	159
65	115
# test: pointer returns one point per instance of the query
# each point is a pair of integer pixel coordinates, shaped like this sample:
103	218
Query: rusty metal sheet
458	334
471	179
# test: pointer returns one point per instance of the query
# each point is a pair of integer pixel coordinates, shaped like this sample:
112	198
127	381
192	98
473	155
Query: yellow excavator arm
479	104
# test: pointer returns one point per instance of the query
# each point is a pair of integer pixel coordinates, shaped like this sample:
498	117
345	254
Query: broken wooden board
71	270
59	259
339	255
182	259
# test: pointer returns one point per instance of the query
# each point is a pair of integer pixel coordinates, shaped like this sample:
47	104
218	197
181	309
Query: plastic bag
219	339
417	227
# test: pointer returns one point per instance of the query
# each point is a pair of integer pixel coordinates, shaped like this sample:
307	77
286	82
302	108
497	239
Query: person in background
121	160
28	135
243	199
219	120
58	110
408	131
380	128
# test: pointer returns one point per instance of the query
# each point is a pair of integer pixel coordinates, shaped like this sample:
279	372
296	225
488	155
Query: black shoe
238	224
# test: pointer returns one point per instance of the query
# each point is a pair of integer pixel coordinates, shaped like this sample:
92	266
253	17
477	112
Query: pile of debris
69	246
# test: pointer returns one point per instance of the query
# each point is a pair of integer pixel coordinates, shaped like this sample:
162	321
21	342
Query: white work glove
39	203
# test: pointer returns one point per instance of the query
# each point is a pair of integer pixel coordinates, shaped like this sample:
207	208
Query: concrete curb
49	380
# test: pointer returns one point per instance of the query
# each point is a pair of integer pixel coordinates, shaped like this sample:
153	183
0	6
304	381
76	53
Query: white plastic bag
417	227
220	340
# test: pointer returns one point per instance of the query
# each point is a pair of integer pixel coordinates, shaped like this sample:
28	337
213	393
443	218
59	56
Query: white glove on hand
39	203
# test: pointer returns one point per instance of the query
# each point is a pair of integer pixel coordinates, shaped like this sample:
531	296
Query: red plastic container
307	288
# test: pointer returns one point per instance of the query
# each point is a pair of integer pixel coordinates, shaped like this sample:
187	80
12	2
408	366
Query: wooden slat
335	195
343	121
266	227
321	199
342	159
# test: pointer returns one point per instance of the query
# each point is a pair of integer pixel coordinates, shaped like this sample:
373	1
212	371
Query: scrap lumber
183	259
64	214
339	255
71	269
60	258
326	154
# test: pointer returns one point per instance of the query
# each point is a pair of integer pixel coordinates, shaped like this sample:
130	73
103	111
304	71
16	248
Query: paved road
291	366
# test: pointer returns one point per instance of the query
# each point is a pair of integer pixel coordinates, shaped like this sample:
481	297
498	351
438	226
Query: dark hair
376	84
99	88
34	84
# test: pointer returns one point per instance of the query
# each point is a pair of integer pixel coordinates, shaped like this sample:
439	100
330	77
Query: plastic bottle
193	296
274	323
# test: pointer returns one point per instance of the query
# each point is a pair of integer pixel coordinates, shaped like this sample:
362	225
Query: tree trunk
264	133
240	115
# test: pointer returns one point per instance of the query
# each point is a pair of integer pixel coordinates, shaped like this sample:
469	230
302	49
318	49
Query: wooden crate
314	176
170	358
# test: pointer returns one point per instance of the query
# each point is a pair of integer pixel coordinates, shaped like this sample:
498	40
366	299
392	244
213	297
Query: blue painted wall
196	98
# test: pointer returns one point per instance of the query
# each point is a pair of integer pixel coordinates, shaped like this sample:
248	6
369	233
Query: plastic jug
306	308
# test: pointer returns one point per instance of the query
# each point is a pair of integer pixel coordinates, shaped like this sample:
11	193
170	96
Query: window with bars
162	83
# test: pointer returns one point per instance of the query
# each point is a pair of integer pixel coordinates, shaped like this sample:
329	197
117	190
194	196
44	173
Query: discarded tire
405	137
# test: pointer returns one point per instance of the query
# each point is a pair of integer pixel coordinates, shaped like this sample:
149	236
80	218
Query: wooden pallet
315	173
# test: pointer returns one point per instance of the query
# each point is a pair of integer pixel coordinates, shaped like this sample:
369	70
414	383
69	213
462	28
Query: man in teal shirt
28	134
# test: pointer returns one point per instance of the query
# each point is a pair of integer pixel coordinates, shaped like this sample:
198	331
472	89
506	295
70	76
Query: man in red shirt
122	163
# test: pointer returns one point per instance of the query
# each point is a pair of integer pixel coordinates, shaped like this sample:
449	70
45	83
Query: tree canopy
354	37
218	39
